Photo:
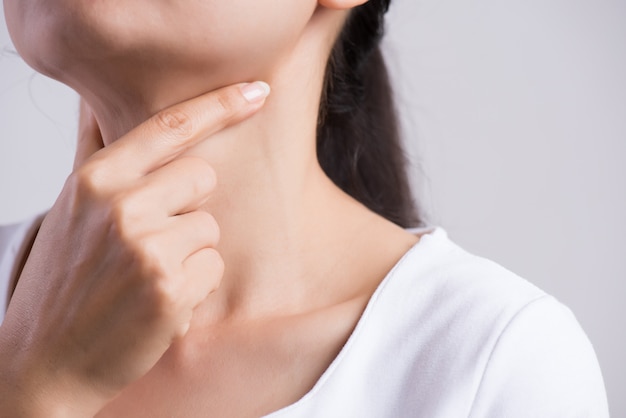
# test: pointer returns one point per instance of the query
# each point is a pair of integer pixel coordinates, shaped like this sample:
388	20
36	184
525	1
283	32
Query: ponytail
358	141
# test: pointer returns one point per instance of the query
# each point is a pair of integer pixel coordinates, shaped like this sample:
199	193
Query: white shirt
450	334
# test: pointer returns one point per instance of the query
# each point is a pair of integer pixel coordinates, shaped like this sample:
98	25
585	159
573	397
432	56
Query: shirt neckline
422	232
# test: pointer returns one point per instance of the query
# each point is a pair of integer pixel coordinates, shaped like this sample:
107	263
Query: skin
197	256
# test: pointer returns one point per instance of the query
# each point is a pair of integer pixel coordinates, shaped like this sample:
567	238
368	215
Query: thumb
89	136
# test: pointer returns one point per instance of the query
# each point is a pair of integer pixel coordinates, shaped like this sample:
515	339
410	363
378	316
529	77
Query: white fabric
449	334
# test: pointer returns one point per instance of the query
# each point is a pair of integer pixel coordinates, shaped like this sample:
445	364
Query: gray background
515	115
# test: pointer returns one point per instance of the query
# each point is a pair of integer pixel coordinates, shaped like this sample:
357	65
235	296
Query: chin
54	36
127	44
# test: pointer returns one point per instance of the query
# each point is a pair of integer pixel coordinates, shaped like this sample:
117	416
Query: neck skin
286	229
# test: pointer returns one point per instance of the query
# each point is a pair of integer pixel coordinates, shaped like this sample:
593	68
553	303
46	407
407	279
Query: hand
119	264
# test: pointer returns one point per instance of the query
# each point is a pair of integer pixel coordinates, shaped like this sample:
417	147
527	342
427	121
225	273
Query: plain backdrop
515	118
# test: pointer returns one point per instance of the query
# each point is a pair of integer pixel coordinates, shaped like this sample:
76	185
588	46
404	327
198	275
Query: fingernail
255	92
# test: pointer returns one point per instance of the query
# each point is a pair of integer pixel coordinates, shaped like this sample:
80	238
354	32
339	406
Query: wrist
27	392
20	399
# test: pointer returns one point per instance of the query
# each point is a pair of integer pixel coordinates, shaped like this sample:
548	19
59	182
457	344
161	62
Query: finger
89	136
203	272
180	186
170	132
184	235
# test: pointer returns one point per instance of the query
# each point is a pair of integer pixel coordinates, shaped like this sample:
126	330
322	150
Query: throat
257	361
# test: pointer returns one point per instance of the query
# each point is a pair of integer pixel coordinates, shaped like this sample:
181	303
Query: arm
118	265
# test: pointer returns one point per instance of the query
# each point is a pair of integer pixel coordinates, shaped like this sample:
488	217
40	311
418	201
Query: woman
242	253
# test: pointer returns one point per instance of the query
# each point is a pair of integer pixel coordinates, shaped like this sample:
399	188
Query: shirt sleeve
13	242
542	365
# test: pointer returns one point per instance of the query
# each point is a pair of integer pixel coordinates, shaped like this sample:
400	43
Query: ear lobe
341	4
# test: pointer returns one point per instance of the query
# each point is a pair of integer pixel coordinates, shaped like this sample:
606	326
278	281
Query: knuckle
154	268
227	104
202	186
161	297
89	179
125	210
148	250
174	124
222	103
150	275
203	175
166	294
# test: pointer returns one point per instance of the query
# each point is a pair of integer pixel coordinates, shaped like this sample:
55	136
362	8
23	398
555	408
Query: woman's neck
291	240
282	221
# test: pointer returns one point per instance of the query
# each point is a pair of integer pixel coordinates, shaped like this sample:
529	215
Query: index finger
170	132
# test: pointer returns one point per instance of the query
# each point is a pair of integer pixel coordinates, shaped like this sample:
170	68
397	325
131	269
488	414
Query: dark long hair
358	140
